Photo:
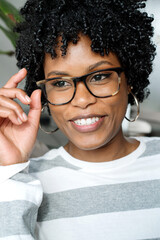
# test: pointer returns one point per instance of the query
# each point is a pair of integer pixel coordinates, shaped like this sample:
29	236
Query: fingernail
21	70
24	116
19	120
27	99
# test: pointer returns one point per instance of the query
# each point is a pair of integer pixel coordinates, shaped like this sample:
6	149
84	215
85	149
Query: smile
86	124
87	121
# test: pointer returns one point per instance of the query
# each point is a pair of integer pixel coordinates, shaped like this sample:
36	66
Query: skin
105	142
17	130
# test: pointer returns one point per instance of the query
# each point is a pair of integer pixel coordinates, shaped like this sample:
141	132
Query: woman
90	58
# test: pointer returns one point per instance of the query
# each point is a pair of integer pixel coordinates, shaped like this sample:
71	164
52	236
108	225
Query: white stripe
68	179
71	179
8	171
14	190
18	237
130	225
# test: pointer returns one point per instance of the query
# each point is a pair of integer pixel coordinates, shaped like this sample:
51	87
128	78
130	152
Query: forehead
78	55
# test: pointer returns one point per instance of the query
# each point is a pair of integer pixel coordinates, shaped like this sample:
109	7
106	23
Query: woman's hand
17	130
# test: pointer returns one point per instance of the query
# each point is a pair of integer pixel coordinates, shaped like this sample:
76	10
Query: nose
83	98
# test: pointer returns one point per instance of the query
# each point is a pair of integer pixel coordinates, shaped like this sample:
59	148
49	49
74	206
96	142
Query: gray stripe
23	177
44	164
152	148
17	218
100	199
151	239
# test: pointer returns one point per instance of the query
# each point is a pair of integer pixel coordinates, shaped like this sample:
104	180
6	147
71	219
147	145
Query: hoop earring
138	108
47	132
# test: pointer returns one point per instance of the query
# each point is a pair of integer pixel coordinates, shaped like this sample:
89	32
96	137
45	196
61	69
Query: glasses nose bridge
82	95
80	79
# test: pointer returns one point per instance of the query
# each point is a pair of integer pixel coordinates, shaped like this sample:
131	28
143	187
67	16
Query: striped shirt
58	197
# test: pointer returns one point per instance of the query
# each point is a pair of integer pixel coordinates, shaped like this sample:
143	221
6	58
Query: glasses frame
41	83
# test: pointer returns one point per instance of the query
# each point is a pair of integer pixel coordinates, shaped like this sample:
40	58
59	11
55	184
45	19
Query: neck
117	148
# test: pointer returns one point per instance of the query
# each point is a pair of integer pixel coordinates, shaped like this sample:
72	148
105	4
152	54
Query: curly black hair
114	26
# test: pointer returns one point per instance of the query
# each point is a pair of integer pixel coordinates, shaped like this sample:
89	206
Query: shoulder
152	141
45	161
152	145
55	158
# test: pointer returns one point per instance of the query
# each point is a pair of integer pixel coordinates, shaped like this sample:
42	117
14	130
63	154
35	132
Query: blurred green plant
10	16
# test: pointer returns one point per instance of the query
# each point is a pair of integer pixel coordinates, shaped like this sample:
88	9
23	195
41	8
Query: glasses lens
103	83
59	91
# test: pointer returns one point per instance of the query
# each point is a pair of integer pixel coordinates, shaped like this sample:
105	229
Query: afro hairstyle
114	26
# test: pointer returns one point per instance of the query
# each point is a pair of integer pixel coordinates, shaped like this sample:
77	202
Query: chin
91	145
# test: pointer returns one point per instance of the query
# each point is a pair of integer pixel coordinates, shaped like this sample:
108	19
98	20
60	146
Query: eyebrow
57	73
91	67
99	63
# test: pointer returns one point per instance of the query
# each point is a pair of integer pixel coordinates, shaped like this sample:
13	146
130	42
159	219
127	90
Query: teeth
87	121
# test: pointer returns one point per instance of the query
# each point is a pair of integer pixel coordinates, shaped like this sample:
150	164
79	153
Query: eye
100	77
60	83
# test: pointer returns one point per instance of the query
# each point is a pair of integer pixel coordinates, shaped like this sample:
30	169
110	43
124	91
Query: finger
16	78
10	104
15	93
35	108
10	114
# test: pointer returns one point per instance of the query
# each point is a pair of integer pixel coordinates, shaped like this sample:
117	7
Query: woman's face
108	112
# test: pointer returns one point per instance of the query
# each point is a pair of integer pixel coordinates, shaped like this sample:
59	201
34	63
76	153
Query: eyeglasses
101	84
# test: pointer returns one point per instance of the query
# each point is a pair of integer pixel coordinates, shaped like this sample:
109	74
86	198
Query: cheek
57	115
118	105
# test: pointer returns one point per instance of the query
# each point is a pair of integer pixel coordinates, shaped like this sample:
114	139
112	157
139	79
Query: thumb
35	108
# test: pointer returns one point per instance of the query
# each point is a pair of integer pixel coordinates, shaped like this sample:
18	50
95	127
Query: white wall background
8	64
152	104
